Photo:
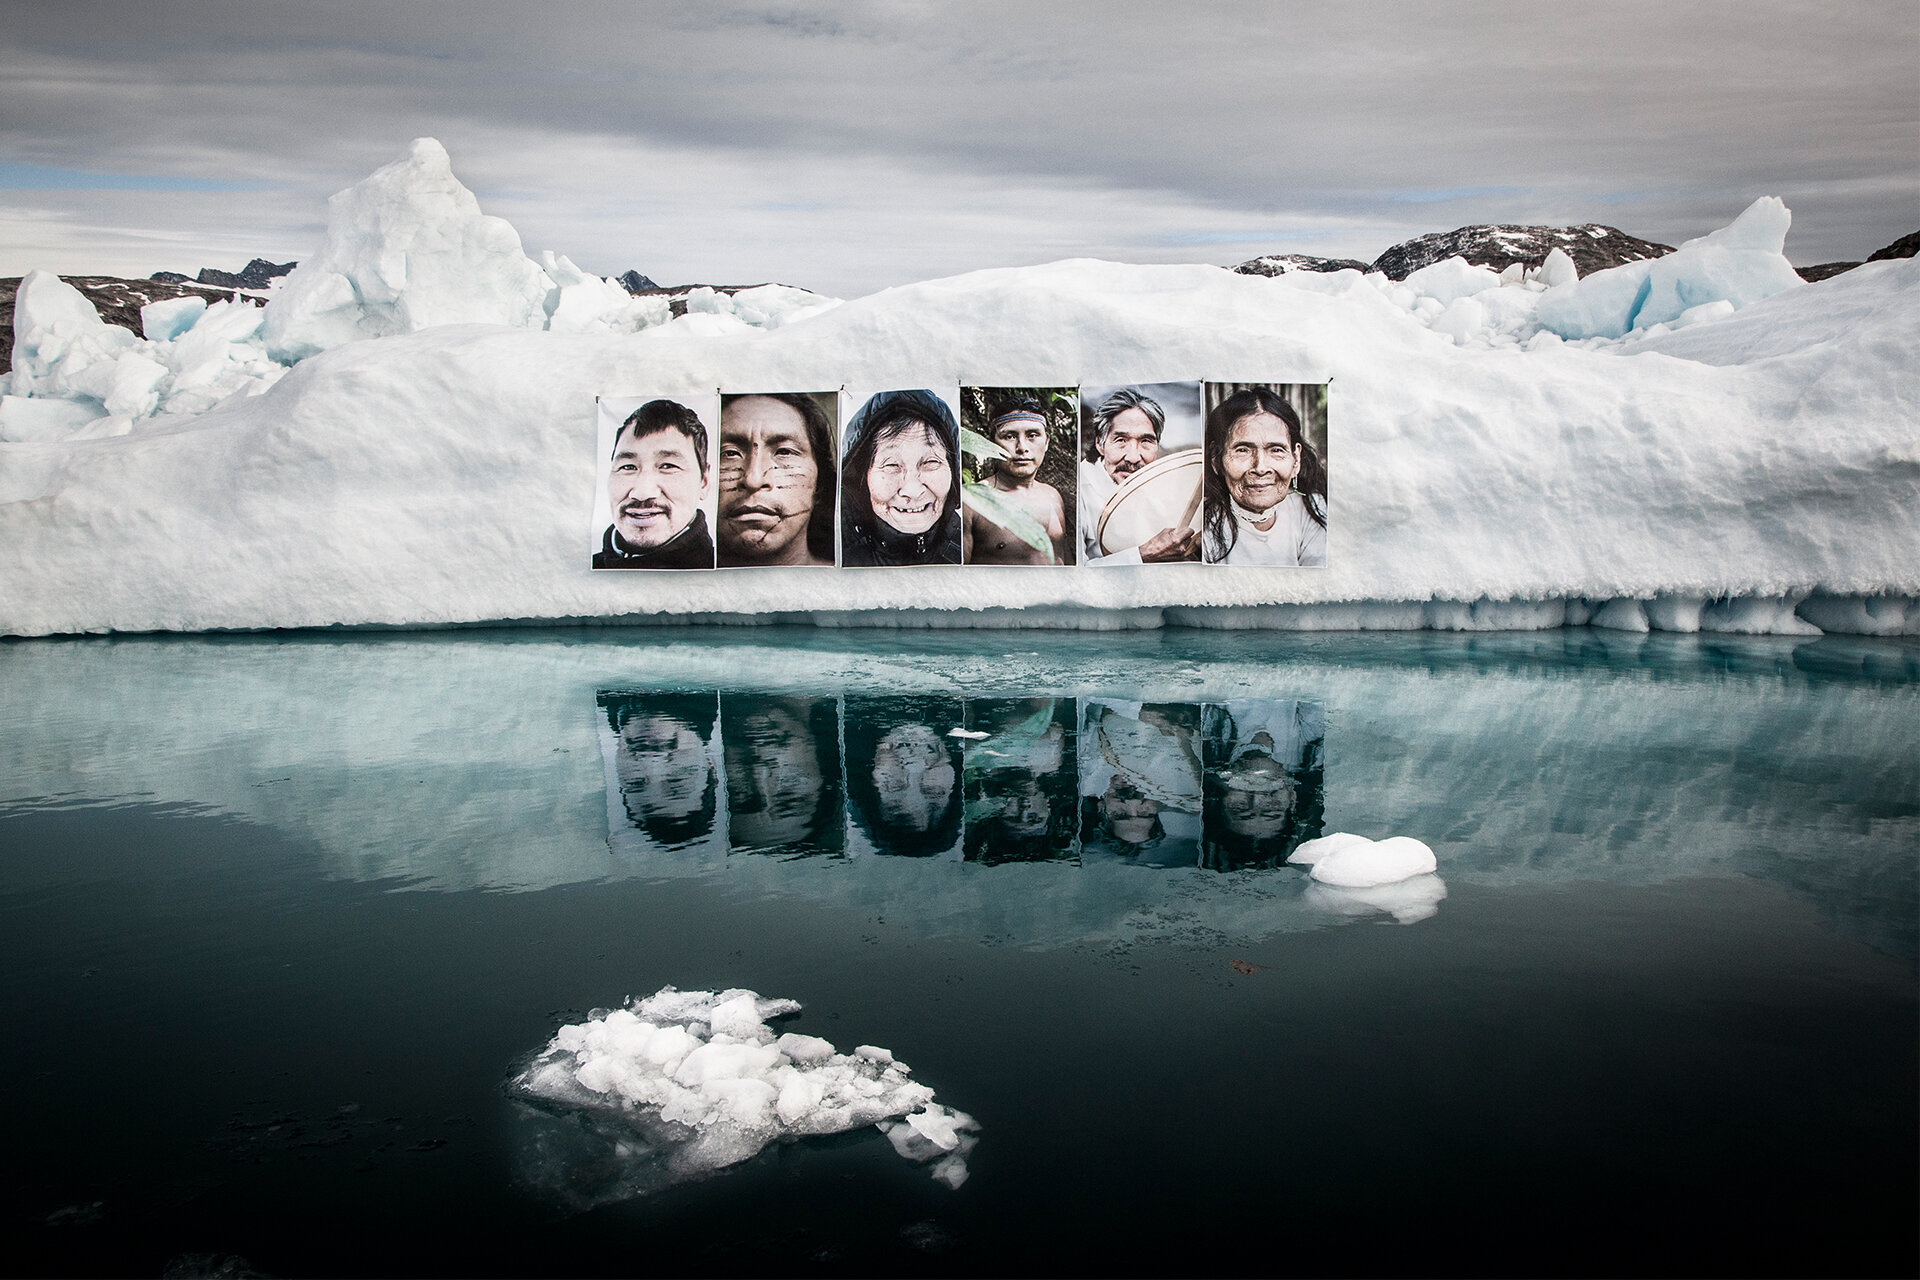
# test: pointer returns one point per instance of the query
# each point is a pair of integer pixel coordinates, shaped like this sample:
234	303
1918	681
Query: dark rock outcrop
1824	270
633	282
258	274
1907	246
118	301
1280	264
1592	247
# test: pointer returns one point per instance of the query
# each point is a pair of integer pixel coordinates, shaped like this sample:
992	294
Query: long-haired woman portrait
1265	488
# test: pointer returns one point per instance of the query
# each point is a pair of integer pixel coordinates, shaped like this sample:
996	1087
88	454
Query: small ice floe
1355	862
969	734
1357	876
685	1083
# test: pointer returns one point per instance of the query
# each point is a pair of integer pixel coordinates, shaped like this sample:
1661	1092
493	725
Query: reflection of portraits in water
903	773
662	763
1020	780
1264	781
783	774
900	486
1140	782
1265	492
777	481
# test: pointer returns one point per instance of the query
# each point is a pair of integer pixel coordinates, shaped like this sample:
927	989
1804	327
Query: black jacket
691	548
878	544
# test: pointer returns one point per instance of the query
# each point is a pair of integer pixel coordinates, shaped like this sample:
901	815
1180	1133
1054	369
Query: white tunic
1295	539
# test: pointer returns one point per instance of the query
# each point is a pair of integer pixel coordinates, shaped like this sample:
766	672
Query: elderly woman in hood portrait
900	484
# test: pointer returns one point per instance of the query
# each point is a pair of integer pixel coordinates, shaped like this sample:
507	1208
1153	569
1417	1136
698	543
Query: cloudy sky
850	146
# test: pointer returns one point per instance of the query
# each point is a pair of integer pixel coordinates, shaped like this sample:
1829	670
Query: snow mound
1348	861
696	1081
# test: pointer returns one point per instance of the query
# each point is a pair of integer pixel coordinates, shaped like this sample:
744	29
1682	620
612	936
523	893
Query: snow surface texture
1743	457
696	1081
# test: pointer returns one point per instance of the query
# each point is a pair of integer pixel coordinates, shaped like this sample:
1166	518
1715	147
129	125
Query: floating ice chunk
1347	861
684	1083
167	319
970	734
406	248
937	1134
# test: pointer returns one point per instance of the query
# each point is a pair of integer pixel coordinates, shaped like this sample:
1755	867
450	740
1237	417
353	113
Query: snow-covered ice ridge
696	1081
403	436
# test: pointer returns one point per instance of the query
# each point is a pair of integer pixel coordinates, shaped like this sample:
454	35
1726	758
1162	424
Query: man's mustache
643	508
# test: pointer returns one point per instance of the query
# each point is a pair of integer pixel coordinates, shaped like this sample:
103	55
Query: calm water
281	917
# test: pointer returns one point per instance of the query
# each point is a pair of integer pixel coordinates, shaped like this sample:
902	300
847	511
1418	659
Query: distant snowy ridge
1698	441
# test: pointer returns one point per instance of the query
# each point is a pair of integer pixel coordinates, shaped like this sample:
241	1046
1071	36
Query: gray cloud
853	145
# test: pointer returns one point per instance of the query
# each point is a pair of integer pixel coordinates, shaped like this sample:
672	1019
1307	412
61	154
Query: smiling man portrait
655	490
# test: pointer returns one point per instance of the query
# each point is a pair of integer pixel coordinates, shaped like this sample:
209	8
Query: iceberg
426	459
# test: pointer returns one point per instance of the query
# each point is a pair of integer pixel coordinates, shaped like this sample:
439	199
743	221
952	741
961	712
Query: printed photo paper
779	479
1265	486
1020	445
900	480
1139	474
653	506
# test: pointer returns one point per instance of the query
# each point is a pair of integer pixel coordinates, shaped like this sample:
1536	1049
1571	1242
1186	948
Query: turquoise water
281	916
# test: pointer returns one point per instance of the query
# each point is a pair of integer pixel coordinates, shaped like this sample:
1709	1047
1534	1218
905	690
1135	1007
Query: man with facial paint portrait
776	481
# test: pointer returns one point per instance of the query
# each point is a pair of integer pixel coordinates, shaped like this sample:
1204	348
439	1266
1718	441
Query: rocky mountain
1280	264
258	274
1592	247
118	301
633	282
1906	246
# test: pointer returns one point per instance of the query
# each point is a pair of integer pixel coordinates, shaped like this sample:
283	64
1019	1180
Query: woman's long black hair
1221	531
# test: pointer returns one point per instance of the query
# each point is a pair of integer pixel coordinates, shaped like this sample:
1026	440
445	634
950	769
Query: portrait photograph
654	503
900	479
1139	473
1265	487
1021	475
777	474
